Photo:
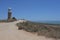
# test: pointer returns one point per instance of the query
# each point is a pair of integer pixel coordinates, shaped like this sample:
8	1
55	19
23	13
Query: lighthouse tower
9	13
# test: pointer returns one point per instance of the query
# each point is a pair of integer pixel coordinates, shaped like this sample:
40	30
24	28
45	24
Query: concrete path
9	31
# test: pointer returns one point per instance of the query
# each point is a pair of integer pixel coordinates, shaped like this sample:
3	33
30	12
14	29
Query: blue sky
35	10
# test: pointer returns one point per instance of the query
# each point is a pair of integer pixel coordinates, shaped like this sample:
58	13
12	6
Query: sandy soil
9	31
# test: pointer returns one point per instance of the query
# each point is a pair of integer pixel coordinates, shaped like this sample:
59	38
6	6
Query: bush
41	29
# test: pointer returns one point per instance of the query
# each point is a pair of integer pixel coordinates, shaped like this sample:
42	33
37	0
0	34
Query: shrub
41	29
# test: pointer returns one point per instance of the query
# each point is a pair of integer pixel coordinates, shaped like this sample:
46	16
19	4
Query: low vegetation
48	30
10	20
3	20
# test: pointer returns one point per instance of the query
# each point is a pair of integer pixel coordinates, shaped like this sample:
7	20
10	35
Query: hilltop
9	31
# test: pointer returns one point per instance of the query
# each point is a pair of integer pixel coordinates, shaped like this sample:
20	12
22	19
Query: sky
35	10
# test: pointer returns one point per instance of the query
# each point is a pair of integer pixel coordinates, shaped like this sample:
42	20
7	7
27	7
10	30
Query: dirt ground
9	31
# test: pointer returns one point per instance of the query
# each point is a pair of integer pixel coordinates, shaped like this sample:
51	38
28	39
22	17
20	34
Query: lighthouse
10	18
9	13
